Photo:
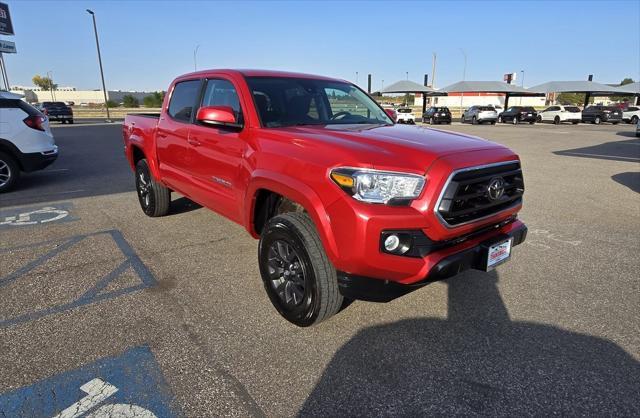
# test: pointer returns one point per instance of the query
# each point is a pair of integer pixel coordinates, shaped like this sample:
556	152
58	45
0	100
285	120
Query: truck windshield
287	101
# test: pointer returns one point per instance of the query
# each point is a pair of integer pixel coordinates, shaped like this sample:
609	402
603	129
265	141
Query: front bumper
377	290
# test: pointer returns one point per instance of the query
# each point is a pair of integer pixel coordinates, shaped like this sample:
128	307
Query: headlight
373	186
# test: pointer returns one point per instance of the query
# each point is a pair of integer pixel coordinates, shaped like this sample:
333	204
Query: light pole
407	72
522	83
195	58
464	76
356	78
50	77
104	88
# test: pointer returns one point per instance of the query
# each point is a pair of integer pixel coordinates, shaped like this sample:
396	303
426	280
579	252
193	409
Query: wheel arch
264	187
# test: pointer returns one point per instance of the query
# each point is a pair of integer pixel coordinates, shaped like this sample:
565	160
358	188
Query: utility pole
407	75
433	71
356	78
521	84
104	88
195	58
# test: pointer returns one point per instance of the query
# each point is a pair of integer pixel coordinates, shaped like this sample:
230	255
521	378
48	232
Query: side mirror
218	116
392	114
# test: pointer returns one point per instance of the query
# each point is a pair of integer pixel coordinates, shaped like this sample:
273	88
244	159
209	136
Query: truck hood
386	147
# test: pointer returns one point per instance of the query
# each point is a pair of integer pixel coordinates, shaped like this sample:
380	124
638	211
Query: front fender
295	190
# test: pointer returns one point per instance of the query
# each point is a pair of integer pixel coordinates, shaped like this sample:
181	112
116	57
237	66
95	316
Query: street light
104	88
522	83
195	59
407	72
464	75
356	78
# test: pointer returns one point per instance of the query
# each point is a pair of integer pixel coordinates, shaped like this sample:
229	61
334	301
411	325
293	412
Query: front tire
514	120
556	120
154	198
9	172
500	120
634	120
298	277
474	121
597	120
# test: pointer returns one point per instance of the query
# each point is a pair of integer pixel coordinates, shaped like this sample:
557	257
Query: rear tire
500	120
474	121
154	198
298	277
514	120
431	121
9	172
597	120
634	120
71	121
575	123
556	120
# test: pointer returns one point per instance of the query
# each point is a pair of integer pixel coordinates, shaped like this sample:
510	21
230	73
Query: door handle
194	142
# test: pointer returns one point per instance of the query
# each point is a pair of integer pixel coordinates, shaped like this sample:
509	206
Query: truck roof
260	73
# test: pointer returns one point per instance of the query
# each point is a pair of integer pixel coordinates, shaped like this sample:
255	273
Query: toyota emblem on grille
496	188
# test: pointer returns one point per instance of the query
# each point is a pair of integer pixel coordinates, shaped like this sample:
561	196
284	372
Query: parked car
498	109
558	114
480	114
437	115
57	111
598	114
631	114
26	142
516	114
333	189
405	115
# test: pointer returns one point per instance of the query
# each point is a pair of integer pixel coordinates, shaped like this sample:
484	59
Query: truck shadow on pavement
476	362
631	179
627	150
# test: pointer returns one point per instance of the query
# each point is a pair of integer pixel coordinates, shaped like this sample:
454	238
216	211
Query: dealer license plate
498	254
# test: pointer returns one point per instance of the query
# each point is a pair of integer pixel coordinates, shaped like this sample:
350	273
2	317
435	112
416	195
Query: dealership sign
8	47
6	28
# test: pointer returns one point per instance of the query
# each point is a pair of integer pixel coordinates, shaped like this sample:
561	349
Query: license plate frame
498	253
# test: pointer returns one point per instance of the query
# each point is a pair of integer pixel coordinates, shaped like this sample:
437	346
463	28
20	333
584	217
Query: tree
154	99
572	99
626	81
130	101
623	98
112	103
44	83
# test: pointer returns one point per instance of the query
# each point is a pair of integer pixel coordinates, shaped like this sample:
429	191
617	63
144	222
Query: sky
145	44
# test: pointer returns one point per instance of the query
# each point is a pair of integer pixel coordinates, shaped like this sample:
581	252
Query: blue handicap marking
37	215
129	385
96	293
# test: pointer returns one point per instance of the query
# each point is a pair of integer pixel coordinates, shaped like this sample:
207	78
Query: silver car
480	114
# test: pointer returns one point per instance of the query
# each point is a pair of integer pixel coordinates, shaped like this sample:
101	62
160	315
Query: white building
71	94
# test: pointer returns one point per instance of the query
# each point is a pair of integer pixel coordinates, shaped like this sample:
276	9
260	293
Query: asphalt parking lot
102	305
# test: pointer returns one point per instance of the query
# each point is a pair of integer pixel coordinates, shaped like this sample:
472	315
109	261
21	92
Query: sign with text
8	47
6	27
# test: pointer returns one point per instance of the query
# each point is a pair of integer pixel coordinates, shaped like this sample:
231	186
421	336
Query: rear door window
183	99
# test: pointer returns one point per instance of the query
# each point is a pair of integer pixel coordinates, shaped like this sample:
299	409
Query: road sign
6	27
8	47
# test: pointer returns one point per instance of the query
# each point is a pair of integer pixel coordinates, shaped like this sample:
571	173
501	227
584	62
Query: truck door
217	152
173	134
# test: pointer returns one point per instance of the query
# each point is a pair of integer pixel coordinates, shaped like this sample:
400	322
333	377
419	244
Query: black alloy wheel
154	198
9	172
298	277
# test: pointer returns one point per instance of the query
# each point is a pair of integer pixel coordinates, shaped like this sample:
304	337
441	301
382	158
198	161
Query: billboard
6	27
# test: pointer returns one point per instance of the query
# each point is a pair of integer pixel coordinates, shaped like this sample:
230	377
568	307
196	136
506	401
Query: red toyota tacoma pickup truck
346	204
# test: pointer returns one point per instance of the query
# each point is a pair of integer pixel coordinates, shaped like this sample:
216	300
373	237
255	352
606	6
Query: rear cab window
183	99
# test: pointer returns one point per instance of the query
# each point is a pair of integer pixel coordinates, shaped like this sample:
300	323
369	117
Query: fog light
391	243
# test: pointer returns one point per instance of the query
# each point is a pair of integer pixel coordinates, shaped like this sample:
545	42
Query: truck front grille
478	192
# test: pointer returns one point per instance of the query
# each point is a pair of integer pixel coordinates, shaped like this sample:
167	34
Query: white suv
559	114
631	114
26	142
405	115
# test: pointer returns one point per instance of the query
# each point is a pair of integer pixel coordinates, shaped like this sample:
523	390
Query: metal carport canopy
406	86
489	87
590	88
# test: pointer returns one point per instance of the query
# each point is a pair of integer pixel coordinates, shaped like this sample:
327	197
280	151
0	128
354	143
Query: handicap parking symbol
129	385
37	215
